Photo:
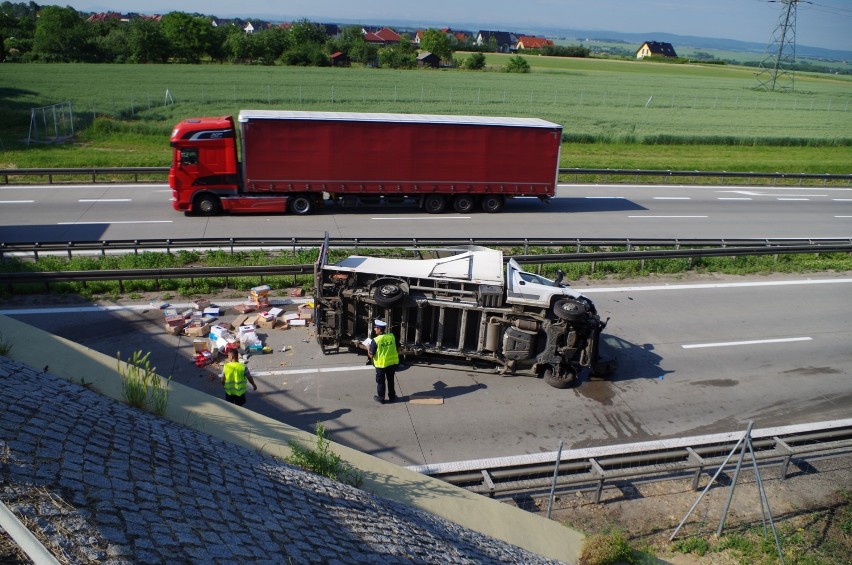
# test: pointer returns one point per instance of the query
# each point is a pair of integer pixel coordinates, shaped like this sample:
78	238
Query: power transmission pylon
776	71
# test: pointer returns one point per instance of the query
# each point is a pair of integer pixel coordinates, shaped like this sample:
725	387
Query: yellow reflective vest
386	354
235	378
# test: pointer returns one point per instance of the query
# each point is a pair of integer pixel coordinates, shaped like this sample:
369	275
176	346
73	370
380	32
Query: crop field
598	102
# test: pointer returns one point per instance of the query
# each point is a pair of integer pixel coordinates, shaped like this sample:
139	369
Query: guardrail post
598	470
555	476
693	456
35	251
70	244
788	455
486	476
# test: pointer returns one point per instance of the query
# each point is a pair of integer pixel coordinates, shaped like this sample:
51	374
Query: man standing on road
382	352
234	377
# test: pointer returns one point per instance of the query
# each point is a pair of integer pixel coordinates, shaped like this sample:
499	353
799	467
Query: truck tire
207	205
302	204
388	294
435	203
464	203
570	310
567	378
492	203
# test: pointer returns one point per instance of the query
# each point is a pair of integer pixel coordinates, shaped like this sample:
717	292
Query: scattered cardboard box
425	398
201	304
197	331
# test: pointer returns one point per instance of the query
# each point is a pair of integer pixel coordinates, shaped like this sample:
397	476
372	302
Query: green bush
606	549
5	345
323	461
517	64
141	386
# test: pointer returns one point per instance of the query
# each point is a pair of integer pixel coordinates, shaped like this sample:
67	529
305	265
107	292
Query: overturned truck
455	303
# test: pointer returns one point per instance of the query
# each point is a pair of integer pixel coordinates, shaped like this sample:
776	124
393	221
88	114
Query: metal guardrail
634	251
95	172
631	245
595	468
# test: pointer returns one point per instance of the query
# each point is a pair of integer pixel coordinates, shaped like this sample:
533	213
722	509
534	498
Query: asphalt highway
695	357
110	212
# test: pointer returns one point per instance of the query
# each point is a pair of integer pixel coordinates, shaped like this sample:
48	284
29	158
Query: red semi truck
295	161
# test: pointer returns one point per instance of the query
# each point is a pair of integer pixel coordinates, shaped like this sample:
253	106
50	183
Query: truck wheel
569	309
492	204
207	205
464	203
302	204
435	203
388	294
566	378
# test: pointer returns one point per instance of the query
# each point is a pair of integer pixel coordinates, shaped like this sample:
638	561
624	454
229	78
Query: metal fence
635	250
111	174
594	469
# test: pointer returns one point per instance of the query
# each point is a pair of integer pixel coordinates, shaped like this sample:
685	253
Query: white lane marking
843	216
137	307
733	198
604	197
425	218
747	342
672	198
667	216
105	200
704	286
841	199
316	370
743	192
114	222
17	201
793	199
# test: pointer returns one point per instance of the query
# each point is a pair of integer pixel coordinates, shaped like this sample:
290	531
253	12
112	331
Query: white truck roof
248	115
469	264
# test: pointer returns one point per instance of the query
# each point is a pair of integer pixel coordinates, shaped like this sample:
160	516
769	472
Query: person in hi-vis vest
383	354
234	378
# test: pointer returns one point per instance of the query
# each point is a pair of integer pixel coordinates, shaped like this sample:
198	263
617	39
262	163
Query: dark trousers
238	399
385	375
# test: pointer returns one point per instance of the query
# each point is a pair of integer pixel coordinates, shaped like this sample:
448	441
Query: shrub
605	549
517	64
322	461
5	345
475	62
141	386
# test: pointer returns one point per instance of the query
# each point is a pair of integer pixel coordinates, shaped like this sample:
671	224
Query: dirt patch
648	513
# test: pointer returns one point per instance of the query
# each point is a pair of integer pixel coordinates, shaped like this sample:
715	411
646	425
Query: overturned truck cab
455	303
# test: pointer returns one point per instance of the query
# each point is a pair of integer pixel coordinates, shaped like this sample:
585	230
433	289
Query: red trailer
297	160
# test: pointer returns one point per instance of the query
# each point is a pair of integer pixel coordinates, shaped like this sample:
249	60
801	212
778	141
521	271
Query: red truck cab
204	167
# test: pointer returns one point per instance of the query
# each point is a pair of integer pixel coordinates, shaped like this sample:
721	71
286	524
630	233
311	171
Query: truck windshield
531	278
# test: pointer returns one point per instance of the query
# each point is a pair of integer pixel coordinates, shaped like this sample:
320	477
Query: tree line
53	34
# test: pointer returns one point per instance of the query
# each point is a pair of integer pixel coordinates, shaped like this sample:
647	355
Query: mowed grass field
616	114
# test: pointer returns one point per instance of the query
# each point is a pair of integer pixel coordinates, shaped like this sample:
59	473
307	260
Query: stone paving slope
101	482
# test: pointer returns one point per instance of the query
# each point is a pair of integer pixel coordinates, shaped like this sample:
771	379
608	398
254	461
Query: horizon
820	23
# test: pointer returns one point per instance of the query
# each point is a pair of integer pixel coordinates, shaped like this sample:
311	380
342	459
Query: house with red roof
532	42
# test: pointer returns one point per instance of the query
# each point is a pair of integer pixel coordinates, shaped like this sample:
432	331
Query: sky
820	23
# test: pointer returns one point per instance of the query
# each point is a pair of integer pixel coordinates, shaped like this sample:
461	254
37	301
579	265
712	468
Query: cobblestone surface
100	482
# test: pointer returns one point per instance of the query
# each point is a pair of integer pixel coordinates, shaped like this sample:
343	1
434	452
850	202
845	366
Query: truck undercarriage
464	320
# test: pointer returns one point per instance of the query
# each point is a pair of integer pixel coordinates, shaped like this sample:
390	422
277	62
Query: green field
615	113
